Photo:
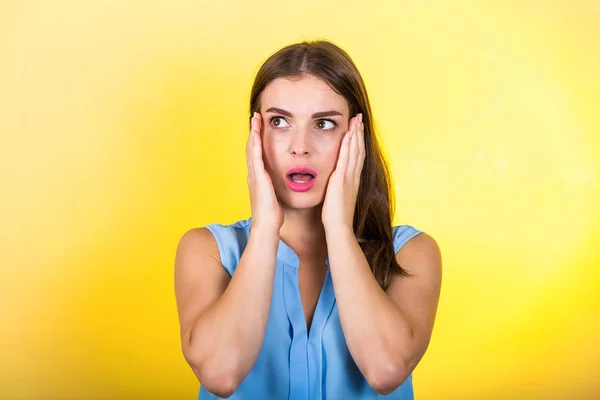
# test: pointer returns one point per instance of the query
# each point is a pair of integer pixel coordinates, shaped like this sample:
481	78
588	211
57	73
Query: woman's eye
276	121
321	124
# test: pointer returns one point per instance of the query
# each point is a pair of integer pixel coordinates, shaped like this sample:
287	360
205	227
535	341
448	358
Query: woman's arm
388	332
222	319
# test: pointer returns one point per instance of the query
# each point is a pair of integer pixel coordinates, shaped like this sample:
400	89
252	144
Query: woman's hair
375	203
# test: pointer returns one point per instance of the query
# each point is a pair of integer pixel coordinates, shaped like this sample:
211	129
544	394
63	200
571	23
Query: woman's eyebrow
315	115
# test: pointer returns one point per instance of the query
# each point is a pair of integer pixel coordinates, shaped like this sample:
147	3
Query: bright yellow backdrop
123	124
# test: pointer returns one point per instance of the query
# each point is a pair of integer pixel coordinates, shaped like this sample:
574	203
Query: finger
353	156
258	162
361	150
250	147
257	159
258	118
342	163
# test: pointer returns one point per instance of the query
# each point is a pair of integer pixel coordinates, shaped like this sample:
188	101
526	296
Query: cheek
330	154
331	151
271	153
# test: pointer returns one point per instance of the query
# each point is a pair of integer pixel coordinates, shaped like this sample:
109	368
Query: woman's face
303	123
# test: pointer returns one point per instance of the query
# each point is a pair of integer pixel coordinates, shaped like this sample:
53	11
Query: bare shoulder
418	294
198	240
420	255
200	278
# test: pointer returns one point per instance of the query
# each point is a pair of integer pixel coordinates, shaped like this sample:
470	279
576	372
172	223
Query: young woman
316	296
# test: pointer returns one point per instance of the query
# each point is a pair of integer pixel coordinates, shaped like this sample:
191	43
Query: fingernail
360	117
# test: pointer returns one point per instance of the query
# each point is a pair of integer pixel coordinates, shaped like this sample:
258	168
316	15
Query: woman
316	296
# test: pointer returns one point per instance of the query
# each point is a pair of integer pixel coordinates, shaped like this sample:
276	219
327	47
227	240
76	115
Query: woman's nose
300	142
298	150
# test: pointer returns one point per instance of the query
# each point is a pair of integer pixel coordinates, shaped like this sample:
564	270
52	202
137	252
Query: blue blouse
295	364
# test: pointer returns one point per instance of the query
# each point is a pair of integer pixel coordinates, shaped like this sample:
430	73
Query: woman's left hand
342	188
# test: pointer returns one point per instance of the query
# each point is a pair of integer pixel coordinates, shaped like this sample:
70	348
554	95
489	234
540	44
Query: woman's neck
304	233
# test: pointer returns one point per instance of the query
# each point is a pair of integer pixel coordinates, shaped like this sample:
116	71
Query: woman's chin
302	200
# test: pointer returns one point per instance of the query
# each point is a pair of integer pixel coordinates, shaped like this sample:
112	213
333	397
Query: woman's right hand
266	210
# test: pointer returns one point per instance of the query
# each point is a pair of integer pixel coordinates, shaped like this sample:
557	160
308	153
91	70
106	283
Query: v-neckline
293	301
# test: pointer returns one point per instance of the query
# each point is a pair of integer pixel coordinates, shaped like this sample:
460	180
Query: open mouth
301	178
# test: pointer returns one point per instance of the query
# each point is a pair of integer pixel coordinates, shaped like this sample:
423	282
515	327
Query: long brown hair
375	201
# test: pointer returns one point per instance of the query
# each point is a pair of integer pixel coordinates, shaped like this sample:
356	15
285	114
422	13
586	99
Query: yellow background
123	124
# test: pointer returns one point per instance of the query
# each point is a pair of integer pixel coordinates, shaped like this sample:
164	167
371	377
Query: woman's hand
342	188
266	210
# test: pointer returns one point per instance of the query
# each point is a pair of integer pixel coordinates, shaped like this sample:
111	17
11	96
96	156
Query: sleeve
402	234
218	231
231	240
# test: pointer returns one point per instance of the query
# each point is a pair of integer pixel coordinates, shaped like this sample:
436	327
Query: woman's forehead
305	96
